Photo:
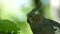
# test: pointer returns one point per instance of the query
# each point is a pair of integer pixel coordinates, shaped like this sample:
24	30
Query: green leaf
8	26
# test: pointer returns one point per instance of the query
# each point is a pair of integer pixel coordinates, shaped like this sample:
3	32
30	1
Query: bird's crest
36	12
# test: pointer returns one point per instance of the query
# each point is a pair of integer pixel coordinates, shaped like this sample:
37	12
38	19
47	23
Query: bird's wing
54	23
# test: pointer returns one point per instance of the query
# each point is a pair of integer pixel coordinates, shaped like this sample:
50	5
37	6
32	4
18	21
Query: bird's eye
38	18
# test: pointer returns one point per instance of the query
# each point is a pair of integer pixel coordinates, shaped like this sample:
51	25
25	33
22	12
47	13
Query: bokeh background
17	10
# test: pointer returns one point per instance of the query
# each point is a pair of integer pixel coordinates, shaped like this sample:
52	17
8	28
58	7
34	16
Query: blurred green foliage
8	26
14	21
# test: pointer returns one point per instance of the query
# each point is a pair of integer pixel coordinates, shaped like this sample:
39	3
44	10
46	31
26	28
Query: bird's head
34	17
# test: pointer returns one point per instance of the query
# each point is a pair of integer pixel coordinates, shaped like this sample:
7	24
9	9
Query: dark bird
41	25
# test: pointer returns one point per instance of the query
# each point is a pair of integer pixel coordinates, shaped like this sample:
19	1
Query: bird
40	24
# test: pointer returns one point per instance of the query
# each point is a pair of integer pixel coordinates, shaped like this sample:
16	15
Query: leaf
7	25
